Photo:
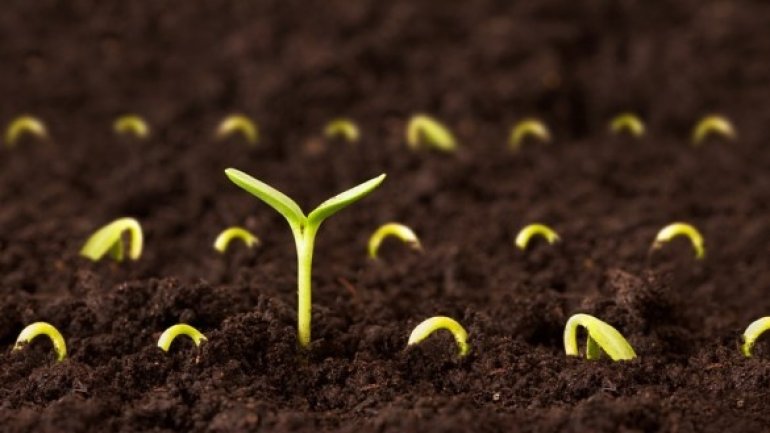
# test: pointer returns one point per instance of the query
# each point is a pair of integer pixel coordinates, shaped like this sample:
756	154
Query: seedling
425	131
238	123
131	124
400	231
23	125
42	328
343	128
713	124
429	326
627	122
681	229
232	233
169	335
752	333
109	239
601	338
528	128
304	228
524	236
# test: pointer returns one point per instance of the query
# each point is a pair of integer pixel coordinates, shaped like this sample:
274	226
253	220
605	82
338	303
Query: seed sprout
528	128
42	328
681	229
232	233
713	125
526	234
23	125
109	239
131	124
752	333
425	131
429	326
240	124
169	335
627	122
400	231
304	229
343	128
601	338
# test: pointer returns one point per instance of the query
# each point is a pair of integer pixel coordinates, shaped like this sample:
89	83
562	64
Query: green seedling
399	231
24	125
42	328
627	122
601	338
425	131
232	233
752	333
528	128
131	124
304	228
713	125
342	128
526	234
109	239
681	229
169	335
238	123
429	326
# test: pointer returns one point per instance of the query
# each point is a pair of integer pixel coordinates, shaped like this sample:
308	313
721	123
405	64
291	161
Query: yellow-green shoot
109	239
674	230
304	228
425	131
399	231
24	125
627	122
238	123
429	326
752	333
342	128
541	230
528	128
169	335
713	125
233	233
131	124
602	337
42	328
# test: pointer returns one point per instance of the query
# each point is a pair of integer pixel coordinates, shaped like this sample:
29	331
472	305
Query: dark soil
479	66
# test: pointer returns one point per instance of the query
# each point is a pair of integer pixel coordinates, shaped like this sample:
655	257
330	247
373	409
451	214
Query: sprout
24	125
131	124
169	335
429	326
524	236
42	328
681	229
304	229
400	231
627	122
601	337
426	131
752	332
238	123
713	124
344	128
527	128
109	239
229	234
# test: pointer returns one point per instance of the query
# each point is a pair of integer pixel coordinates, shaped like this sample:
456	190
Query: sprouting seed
109	239
343	128
42	328
528	128
713	124
400	231
752	333
22	125
526	234
627	122
169	335
429	326
425	131
681	229
131	124
232	233
601	338
240	124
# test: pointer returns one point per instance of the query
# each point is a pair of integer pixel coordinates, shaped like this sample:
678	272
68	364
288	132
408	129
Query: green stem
304	238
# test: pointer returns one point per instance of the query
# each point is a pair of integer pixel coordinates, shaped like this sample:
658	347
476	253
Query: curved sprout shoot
528	128
713	124
400	231
23	125
109	239
627	122
131	124
425	131
240	124
752	333
232	233
601	338
169	335
526	234
42	328
429	326
343	128
681	229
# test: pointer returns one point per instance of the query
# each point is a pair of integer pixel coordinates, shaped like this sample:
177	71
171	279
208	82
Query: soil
478	66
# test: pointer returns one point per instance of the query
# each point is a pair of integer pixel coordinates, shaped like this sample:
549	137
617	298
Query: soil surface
479	67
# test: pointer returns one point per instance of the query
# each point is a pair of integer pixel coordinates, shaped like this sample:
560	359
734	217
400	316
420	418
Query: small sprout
425	131
713	124
601	337
526	234
109	239
238	123
627	122
24	125
429	326
304	229
752	333
131	124
169	335
229	234
681	229
42	328
400	231
528	128
343	128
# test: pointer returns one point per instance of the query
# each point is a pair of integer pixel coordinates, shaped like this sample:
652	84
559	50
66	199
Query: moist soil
477	66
